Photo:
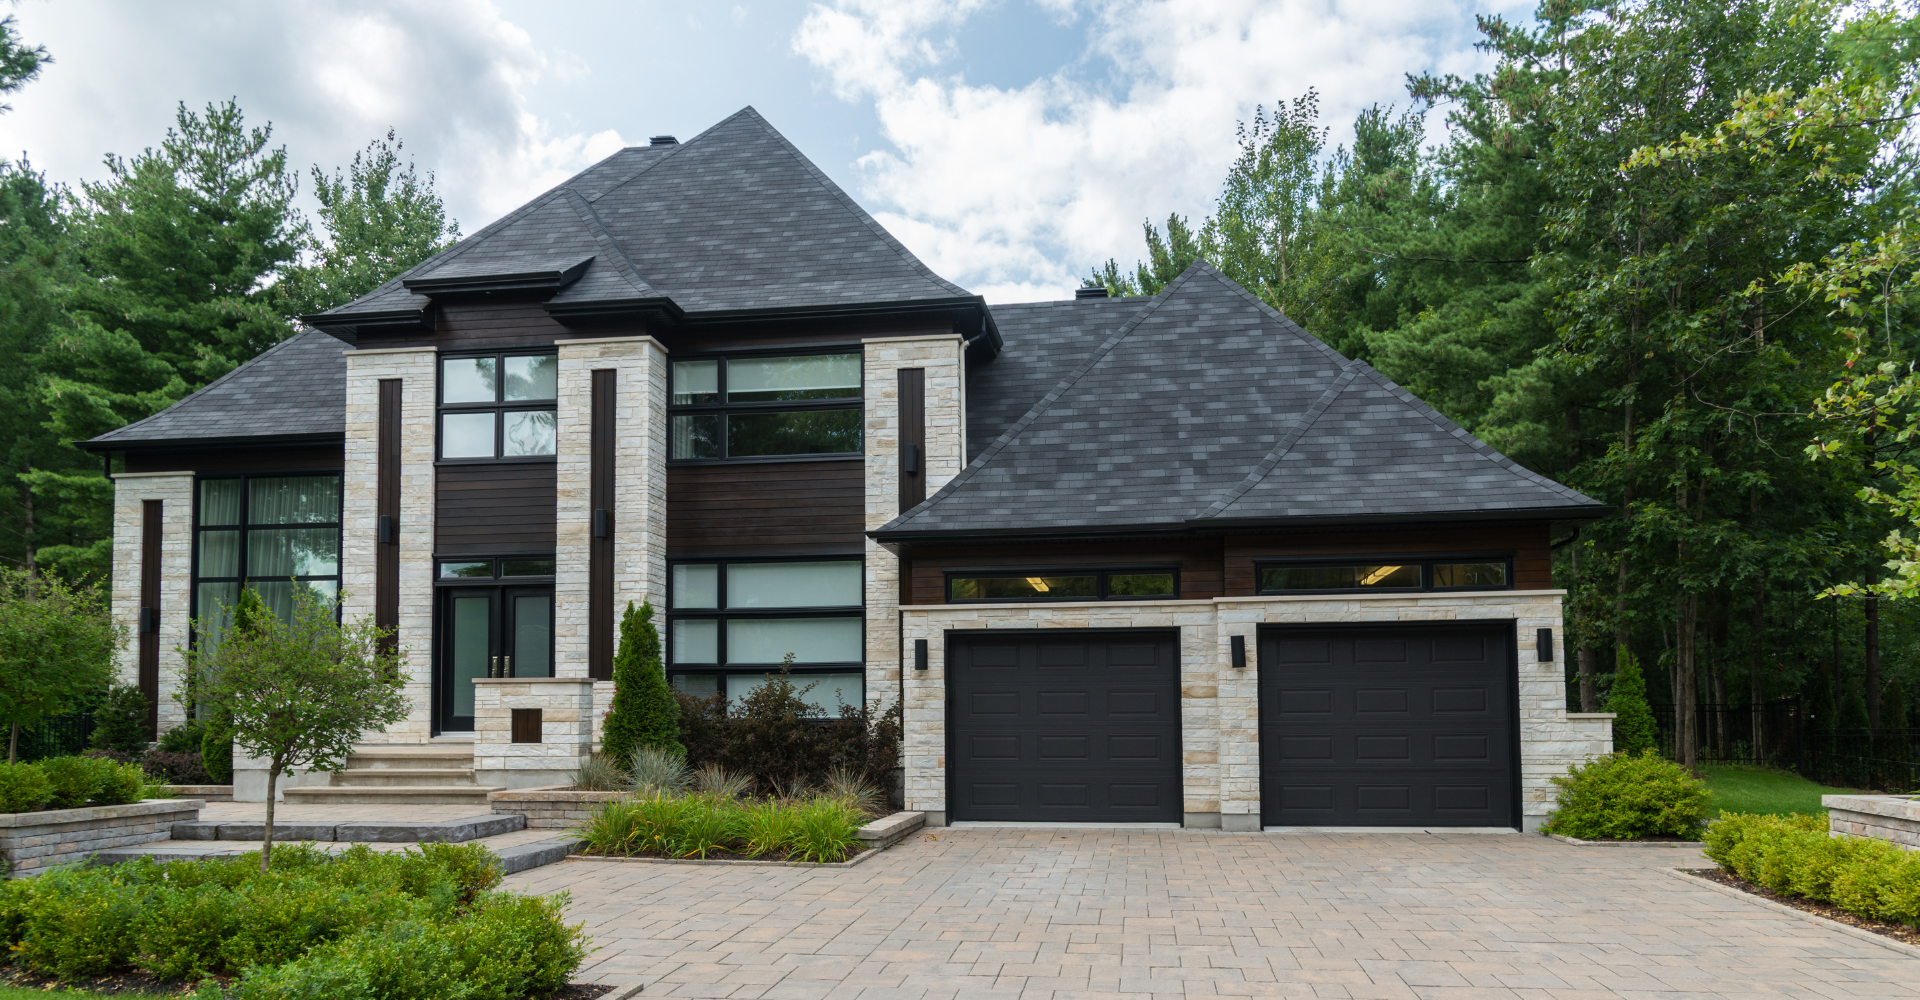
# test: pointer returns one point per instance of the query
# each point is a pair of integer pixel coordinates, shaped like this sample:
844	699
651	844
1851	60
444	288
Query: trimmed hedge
413	925
1626	797
1795	856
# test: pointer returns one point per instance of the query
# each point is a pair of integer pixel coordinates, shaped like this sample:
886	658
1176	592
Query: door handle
509	671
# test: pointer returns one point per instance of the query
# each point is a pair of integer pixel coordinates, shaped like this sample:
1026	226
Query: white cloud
1017	191
451	76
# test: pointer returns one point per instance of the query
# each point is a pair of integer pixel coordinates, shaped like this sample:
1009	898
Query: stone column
639	492
565	705
1238	710
943	357
359	523
174	490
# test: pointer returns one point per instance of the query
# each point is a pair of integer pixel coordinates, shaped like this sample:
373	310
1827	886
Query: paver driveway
1065	914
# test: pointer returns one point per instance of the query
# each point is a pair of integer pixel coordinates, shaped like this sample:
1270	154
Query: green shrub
216	749
1634	731
824	830
644	712
184	738
23	787
1795	856
74	780
1625	797
116	783
820	828
121	722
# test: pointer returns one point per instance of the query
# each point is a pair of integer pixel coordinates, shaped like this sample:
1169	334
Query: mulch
139	984
1898	932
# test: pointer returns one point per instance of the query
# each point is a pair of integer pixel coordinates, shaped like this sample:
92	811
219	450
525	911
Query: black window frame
721	613
723	408
1101	572
1425	562
500	406
498	579
244	529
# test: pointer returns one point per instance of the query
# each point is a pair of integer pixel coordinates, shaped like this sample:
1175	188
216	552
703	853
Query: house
1153	560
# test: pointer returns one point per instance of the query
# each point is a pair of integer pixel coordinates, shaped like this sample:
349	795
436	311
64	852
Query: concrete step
395	777
411	757
398	795
360	831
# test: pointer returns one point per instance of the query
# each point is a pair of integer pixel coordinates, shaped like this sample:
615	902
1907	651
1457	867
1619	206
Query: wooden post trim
600	610
149	665
386	503
913	437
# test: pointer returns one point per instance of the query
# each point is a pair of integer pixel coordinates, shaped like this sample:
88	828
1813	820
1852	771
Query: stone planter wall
1883	817
33	842
556	807
565	705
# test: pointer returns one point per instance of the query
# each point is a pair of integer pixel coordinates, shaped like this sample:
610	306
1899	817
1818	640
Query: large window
1131	584
1462	573
730	623
270	534
498	407
765	407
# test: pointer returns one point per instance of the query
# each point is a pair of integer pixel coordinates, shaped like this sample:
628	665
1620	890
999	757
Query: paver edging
857	859
1577	842
1911	951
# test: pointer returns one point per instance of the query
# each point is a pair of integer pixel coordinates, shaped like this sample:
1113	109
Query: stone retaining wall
556	807
1893	818
33	842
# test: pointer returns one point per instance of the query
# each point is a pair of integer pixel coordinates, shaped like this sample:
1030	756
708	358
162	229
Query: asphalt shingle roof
297	387
734	219
1207	406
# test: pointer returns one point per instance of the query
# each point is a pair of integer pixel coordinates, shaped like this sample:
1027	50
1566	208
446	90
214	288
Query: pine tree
1893	707
1853	711
644	711
1633	728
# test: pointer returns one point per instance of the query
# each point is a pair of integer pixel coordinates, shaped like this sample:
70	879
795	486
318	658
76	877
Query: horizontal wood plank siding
501	508
480	325
237	459
1529	542
765	509
1199	561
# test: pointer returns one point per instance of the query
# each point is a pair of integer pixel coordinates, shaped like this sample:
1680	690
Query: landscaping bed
713	825
1794	858
1885	928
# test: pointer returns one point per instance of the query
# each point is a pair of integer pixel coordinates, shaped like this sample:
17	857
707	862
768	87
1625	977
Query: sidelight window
1477	573
498	407
765	407
273	535
968	587
731	623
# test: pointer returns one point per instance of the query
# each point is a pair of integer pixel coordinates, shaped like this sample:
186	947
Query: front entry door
489	632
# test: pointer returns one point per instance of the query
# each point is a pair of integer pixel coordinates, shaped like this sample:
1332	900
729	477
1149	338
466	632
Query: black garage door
1064	725
1387	725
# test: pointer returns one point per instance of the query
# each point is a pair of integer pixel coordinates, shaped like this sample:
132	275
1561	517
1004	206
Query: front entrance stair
436	773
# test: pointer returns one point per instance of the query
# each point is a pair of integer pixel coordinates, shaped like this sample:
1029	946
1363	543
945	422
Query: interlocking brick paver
1015	914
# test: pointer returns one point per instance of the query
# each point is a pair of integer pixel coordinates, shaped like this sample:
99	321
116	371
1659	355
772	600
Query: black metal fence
54	736
1882	759
1726	732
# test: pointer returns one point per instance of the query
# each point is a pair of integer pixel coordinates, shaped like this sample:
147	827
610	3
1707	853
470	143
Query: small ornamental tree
300	693
57	644
216	739
1634	731
644	711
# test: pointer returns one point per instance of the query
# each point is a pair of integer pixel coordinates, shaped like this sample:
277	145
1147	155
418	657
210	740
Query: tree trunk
1873	650
1756	688
1717	675
1686	725
13	745
1589	689
266	833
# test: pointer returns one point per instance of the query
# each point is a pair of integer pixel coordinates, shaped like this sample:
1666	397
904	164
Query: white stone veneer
639	492
1219	717
566	730
943	358
174	490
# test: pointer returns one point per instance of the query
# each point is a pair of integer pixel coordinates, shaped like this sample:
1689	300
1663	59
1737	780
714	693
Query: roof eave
1196	526
546	281
98	445
1588	512
422	319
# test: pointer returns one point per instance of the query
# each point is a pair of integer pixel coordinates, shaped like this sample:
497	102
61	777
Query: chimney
1095	292
663	140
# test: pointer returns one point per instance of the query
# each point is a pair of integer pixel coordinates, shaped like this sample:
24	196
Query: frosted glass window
220	553
696	585
698	685
533	636
696	382
810	640
827	692
819	376
219	501
529	432
696	640
467	380
536	377
293	500
288	552
472	630
466	435
794	585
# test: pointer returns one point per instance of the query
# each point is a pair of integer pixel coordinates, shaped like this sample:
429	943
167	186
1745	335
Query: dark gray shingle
296	388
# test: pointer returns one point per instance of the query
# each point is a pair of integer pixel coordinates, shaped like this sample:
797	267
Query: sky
1012	145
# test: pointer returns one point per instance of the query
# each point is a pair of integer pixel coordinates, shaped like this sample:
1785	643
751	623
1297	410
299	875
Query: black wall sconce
386	528
919	654
1543	644
1239	643
149	621
602	522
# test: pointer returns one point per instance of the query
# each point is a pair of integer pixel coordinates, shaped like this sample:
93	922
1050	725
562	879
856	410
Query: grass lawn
1748	789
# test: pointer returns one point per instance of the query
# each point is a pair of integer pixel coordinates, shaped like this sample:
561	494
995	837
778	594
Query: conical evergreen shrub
1893	707
644	711
1853	712
1634	731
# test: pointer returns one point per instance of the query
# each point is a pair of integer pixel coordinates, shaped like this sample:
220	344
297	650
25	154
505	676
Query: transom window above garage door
1460	573
729	623
1129	584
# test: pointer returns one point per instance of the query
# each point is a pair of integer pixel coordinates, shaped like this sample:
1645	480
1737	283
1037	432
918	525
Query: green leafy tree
57	644
19	64
380	216
300	693
216	738
1634	731
644	712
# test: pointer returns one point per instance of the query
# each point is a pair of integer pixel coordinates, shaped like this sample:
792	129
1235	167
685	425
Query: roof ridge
301	331
1483	449
1046	401
1259	303
847	202
1287	440
617	255
653	162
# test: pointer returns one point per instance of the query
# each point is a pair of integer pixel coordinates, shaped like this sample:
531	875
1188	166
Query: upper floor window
1064	585
765	407
1478	573
499	406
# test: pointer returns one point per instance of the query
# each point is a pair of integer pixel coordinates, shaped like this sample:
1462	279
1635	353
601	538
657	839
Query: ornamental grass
816	828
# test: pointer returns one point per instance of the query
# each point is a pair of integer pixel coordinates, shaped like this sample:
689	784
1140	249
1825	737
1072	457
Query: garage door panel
1411	727
1094	734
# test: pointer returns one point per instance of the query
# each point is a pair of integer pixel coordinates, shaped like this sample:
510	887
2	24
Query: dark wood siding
913	437
494	508
237	458
1528	542
386	505
600	544
151	521
765	508
1199	562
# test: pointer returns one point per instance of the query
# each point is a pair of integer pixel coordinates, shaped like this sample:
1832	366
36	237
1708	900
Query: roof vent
1094	292
663	140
